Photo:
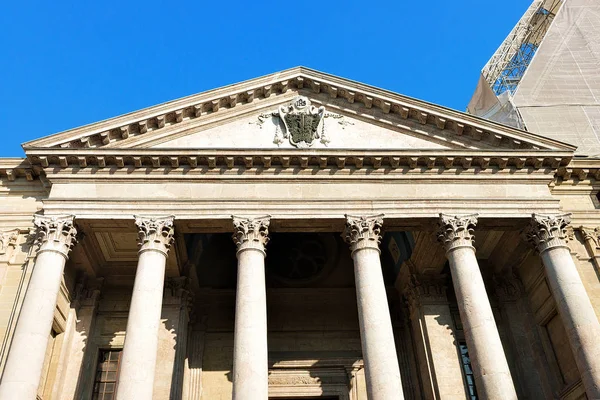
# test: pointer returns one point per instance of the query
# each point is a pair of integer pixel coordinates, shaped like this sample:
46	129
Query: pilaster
78	365
172	338
434	334
521	337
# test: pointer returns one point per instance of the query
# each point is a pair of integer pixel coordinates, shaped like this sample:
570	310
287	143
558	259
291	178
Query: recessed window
466	363
107	370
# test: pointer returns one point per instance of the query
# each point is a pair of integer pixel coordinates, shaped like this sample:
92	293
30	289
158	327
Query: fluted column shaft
547	234
23	370
136	376
490	368
250	352
382	372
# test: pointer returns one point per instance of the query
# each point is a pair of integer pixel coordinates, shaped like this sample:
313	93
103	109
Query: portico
250	373
382	249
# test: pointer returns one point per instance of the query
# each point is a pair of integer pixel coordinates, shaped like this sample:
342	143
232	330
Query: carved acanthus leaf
178	288
55	233
87	291
363	232
508	287
457	230
251	233
591	235
547	231
8	239
155	233
425	290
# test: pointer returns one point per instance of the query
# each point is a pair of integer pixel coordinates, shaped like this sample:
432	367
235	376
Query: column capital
251	233
55	234
547	231
456	231
8	239
363	232
155	233
508	287
177	291
87	292
421	289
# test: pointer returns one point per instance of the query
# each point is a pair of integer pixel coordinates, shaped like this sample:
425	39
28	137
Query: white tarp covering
559	95
485	104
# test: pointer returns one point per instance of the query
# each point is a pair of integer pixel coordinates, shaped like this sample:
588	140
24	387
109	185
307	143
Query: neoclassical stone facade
299	236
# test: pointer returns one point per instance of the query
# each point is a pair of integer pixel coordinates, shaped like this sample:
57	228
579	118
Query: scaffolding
504	70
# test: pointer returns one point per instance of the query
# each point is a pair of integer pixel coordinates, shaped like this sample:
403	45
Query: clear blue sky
66	64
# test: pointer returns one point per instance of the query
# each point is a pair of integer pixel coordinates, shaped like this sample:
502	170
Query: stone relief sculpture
302	121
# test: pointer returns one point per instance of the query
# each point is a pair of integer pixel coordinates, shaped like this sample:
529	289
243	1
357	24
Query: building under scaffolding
545	77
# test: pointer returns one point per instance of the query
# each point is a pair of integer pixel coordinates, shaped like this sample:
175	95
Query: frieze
291	378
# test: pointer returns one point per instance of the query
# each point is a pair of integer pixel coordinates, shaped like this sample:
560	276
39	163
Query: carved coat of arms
301	121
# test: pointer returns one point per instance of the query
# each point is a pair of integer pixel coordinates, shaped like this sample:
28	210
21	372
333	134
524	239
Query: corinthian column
56	237
250	352
136	378
363	235
547	233
490	368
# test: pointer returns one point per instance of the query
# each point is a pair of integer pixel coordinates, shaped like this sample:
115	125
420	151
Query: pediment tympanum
318	128
297	108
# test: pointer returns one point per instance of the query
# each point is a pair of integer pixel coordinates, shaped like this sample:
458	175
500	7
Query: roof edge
135	123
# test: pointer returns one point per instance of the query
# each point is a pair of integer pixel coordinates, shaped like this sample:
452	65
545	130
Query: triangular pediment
264	128
247	115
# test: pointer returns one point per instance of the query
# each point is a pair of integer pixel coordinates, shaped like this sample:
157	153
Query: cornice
13	168
157	118
286	158
580	169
